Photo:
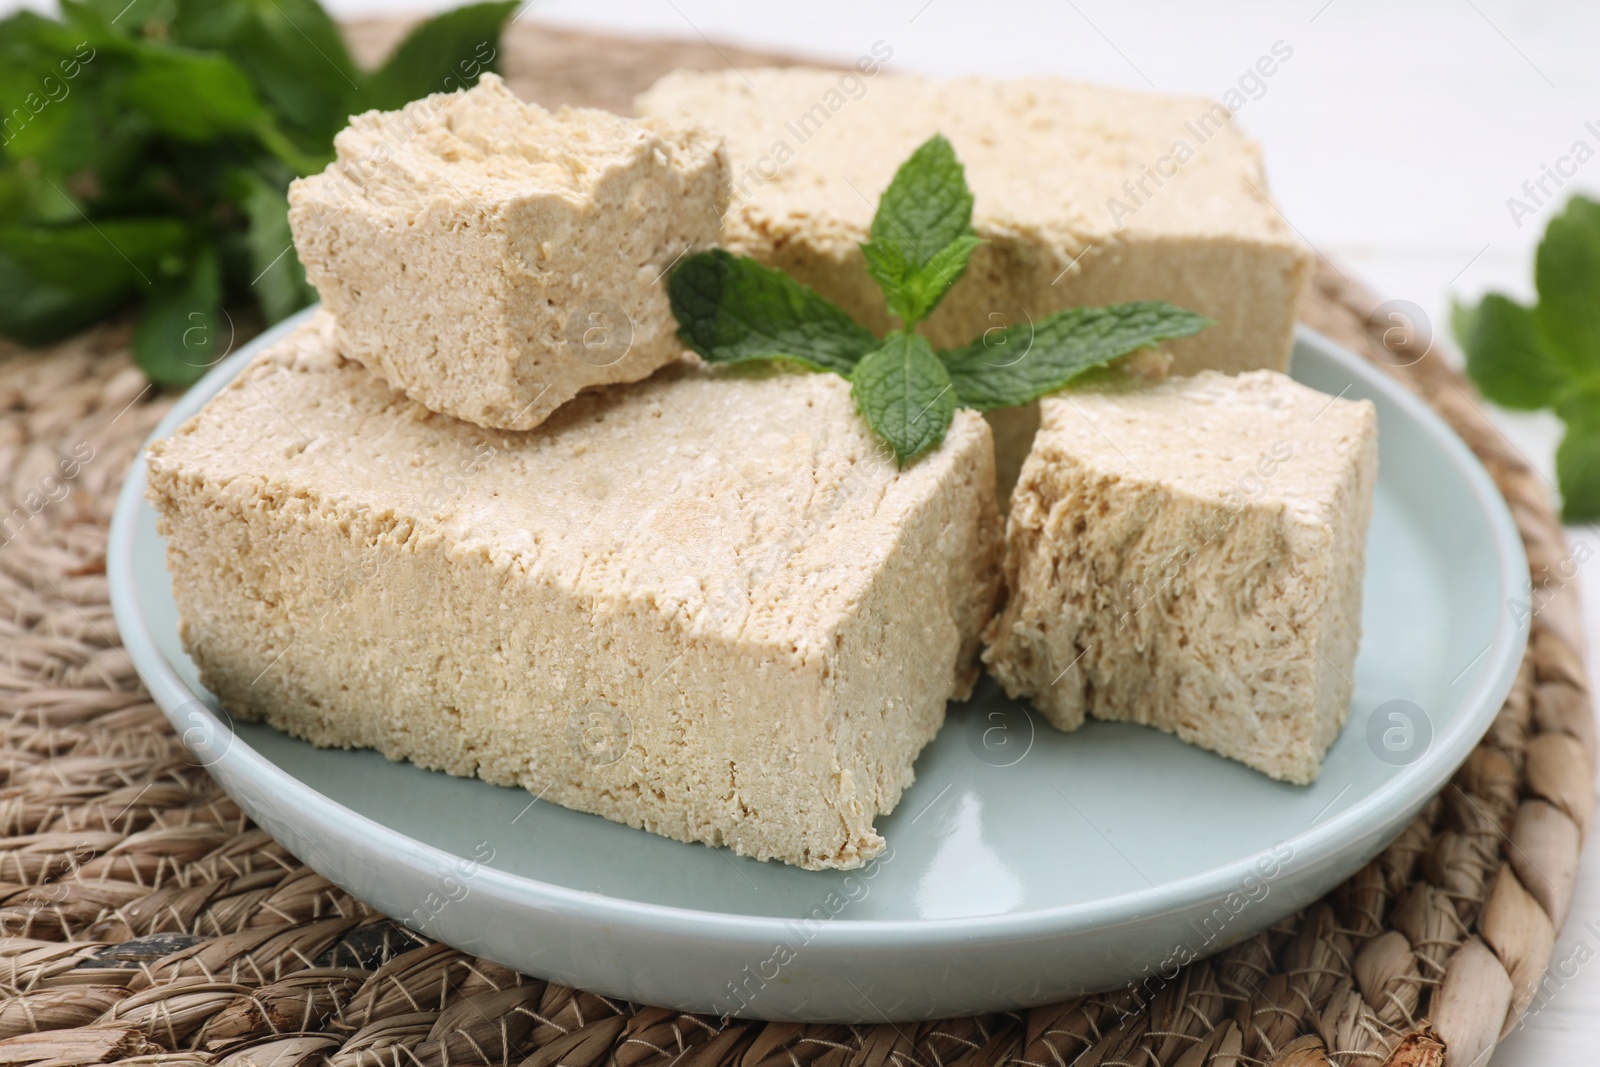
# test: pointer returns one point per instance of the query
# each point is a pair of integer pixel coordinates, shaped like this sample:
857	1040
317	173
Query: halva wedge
1188	556
707	605
491	258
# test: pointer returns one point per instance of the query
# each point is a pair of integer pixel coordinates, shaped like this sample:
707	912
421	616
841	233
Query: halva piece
1083	195
491	258
1188	556
707	604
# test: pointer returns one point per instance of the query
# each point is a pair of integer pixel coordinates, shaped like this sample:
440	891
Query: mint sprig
922	232
1548	355
731	309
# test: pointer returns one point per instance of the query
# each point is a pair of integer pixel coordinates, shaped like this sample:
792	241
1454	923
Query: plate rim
317	814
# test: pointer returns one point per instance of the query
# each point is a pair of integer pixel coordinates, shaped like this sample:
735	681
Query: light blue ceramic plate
1025	865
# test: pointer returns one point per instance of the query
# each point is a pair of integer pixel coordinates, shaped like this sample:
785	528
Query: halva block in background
1084	195
1188	556
491	258
704	605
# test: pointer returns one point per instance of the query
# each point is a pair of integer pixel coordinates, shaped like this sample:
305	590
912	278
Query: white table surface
1394	135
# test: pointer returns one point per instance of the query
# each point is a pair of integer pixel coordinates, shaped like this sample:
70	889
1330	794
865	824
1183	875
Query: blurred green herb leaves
1547	355
146	147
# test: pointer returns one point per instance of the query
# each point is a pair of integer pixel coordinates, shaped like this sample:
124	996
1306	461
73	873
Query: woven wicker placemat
146	920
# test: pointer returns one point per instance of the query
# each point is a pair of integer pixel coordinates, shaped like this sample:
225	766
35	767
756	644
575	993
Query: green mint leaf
1005	368
115	16
731	309
441	55
913	293
927	205
1578	457
288	151
50	85
182	330
944	270
193	96
292	52
57	279
62	138
1567	273
887	266
1505	355
58	37
278	280
905	394
922	232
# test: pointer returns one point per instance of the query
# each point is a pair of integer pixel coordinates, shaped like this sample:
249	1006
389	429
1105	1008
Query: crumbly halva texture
707	604
1013	428
491	258
1189	556
1047	161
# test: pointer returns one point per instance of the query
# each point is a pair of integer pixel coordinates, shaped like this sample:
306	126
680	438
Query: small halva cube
1188	556
491	258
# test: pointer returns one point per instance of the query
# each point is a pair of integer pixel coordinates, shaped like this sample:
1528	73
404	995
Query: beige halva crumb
491	258
706	604
1188	556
